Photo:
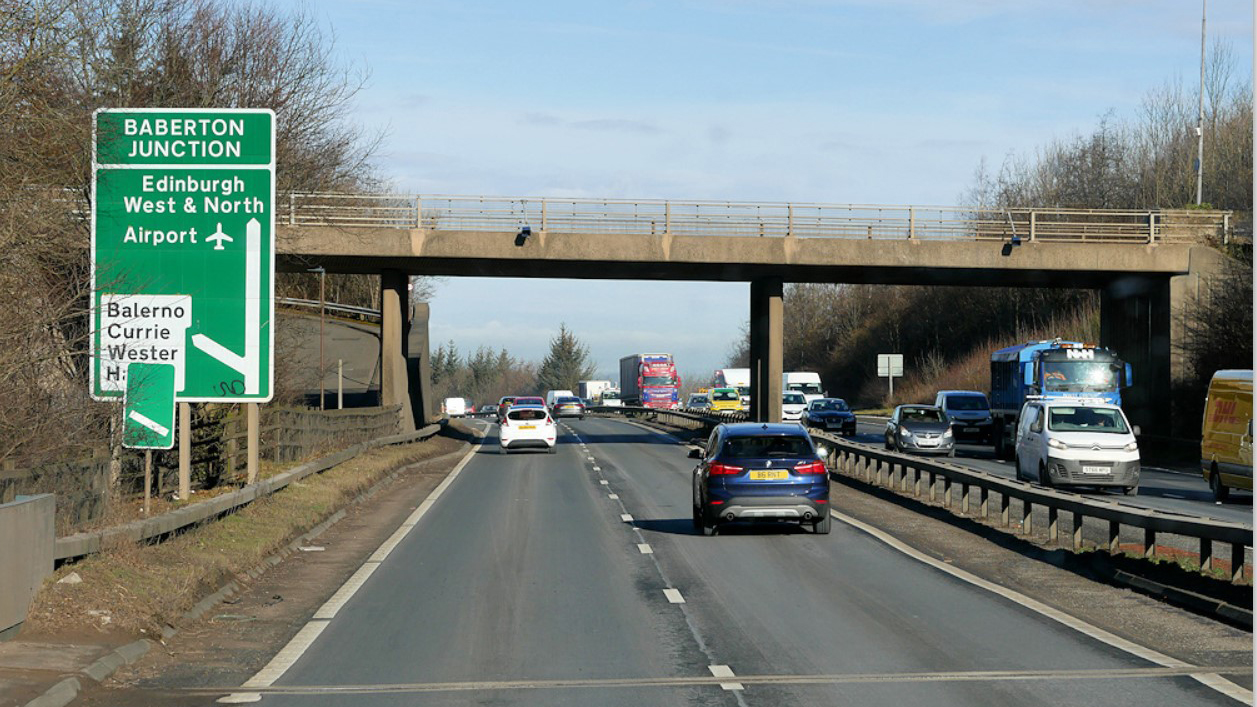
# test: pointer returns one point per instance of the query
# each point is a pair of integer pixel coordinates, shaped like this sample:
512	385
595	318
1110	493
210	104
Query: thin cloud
618	126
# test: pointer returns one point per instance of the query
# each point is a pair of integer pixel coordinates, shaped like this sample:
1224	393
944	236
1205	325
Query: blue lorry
1053	369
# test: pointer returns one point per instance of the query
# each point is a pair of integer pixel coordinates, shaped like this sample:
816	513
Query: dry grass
145	587
973	371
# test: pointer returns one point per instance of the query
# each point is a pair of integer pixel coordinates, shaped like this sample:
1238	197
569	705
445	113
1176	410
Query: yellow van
725	400
1226	435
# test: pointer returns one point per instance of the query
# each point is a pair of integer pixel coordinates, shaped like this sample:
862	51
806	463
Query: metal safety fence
732	218
1011	504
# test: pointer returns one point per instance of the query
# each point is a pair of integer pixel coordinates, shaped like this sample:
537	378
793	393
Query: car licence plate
528	427
769	475
833	423
1095	470
971	429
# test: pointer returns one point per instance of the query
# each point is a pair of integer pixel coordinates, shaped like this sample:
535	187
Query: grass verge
139	588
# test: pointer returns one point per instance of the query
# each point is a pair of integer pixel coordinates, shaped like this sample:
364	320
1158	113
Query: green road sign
183	256
149	412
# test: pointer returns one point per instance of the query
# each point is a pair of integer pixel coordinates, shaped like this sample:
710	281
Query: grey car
923	429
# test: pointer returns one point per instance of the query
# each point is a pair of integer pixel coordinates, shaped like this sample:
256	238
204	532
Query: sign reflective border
183	256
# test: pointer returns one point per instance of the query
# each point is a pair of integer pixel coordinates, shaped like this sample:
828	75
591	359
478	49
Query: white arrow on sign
248	364
148	422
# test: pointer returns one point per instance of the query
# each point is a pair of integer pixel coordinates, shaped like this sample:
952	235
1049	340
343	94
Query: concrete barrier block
26	553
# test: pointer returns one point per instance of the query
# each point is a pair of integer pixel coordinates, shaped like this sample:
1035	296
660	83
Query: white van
455	407
806	382
552	395
1077	442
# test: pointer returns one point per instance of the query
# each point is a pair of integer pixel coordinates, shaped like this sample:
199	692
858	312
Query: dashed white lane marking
597	468
603	482
296	647
674	596
613	496
724	671
1211	680
1173	495
626	517
645	549
591	458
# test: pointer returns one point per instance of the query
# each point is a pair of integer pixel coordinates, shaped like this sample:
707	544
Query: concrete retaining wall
27	538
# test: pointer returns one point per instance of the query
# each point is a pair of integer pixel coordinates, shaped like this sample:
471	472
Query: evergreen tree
566	364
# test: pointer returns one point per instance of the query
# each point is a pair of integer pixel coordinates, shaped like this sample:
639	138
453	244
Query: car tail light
811	468
504	421
718	469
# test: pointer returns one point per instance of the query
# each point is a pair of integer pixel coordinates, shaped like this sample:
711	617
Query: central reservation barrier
973	491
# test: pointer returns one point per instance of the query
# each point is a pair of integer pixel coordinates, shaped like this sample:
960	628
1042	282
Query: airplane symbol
218	237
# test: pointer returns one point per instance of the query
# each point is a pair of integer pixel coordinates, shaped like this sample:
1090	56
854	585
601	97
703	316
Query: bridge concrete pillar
1205	263
419	366
1135	323
394	312
767	349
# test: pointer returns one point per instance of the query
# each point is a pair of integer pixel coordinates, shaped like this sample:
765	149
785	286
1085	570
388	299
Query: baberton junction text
184	137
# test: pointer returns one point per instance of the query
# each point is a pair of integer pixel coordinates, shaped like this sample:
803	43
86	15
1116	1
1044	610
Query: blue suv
753	471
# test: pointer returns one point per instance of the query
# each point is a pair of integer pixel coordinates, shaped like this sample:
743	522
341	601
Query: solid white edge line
290	653
724	671
346	591
1211	680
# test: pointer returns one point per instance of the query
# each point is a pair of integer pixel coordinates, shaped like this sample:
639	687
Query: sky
823	101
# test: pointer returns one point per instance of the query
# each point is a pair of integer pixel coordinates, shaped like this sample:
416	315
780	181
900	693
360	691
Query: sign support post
252	440
185	451
148	480
890	366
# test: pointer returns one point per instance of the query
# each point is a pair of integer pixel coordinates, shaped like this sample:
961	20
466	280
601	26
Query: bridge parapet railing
971	492
751	219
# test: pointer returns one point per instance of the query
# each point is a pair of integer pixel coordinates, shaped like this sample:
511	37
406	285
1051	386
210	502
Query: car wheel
1044	478
1219	489
1017	467
551	449
821	527
1132	490
699	525
889	445
951	452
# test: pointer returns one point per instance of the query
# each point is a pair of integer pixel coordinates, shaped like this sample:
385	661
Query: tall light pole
1200	120
322	309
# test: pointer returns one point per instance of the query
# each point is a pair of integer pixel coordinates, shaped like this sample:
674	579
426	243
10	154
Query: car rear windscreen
771	446
565	400
527	414
967	402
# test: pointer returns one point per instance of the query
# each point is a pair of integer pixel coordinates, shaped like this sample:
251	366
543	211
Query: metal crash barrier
983	493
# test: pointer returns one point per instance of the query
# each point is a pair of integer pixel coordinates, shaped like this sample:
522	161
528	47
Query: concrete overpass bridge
1144	263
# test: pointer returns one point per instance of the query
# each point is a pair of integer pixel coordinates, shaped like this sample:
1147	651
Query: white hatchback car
527	426
792	406
1077	442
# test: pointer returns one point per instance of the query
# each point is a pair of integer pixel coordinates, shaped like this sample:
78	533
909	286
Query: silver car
923	429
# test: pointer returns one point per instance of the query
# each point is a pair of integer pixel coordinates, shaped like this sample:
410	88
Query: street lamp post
1200	120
